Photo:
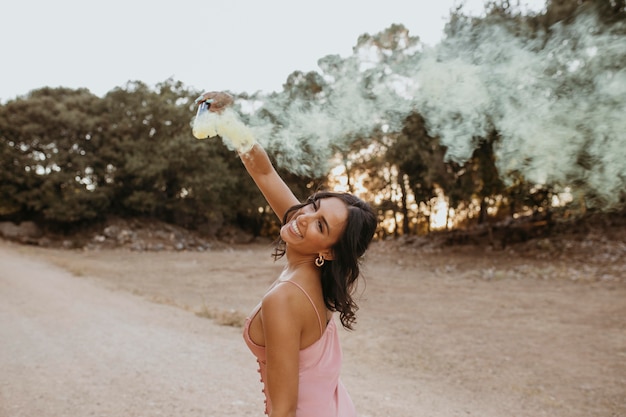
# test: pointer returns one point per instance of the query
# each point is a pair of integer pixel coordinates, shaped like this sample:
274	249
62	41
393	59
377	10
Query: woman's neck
299	262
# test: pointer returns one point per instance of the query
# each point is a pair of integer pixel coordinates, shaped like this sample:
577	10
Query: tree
48	147
609	11
487	180
420	159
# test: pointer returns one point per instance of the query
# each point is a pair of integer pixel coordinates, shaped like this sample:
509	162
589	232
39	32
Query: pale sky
236	45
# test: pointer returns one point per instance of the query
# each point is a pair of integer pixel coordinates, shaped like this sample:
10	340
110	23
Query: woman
291	332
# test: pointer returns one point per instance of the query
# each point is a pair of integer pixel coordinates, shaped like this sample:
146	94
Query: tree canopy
511	114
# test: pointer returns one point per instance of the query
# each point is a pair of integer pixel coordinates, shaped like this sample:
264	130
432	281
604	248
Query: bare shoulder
287	301
282	314
283	296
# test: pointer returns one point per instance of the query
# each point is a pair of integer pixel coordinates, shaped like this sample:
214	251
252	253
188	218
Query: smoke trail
559	107
557	101
304	135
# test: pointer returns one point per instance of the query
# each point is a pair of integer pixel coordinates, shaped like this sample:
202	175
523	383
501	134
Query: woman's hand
218	100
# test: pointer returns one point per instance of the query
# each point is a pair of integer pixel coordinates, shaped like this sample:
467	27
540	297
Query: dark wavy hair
339	275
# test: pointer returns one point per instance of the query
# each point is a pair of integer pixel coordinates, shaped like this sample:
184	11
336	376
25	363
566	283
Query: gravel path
439	335
71	348
74	347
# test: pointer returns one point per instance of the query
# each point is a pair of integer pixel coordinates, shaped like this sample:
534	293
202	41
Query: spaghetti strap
319	319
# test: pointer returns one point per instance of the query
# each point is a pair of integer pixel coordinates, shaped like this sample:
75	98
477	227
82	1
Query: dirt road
113	333
71	348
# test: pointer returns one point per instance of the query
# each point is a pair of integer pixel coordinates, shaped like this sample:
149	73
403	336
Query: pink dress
320	391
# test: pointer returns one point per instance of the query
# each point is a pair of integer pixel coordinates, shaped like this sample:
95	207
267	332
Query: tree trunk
482	216
405	209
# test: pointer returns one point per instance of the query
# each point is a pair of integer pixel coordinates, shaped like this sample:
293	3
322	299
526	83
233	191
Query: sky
235	45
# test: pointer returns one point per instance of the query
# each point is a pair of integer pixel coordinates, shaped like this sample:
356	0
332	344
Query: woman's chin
284	234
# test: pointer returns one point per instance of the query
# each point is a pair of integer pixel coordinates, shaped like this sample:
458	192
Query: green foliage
47	152
609	11
69	157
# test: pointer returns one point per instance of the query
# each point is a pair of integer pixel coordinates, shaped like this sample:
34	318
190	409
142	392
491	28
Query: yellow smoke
227	125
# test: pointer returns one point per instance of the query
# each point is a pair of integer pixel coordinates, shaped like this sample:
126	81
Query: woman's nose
304	218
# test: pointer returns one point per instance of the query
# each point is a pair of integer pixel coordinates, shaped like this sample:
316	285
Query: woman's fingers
218	100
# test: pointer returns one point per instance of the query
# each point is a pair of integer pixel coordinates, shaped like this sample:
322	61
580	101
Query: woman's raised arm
253	156
274	189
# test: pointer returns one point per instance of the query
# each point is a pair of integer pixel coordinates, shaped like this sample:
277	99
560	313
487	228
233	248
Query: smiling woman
291	332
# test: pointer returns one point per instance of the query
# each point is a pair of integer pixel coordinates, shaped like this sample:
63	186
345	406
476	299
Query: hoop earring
319	261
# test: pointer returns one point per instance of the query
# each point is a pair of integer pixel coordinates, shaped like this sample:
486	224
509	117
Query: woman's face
316	227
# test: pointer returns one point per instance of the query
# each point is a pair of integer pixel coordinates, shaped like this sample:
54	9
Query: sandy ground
464	332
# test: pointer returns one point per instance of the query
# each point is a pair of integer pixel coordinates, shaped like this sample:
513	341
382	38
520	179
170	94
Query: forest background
512	118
